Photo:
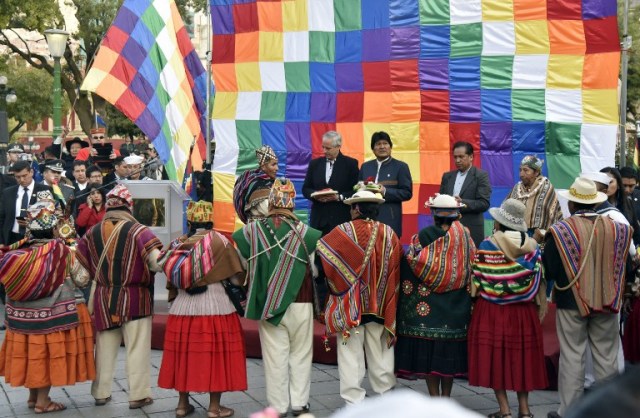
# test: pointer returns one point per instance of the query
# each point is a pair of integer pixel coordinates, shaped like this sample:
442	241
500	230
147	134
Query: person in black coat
393	175
469	185
334	171
12	228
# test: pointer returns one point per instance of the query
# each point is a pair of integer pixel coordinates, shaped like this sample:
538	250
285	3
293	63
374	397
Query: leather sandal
183	412
50	407
499	415
222	412
103	401
521	415
139	404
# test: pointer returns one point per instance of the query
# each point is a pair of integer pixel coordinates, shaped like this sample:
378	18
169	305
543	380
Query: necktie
329	170
23	207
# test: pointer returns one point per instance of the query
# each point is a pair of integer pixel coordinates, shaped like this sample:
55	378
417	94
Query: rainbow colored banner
513	77
147	67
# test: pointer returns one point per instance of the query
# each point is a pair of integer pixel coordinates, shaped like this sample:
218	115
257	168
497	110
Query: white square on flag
272	75
564	105
498	38
248	105
530	71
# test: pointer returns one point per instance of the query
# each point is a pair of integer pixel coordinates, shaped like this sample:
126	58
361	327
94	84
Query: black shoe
298	412
553	414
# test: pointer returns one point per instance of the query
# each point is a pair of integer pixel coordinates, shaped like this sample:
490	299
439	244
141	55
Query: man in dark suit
469	185
334	171
14	203
394	177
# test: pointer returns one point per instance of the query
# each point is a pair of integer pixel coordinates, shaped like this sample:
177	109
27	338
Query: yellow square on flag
224	107
600	106
493	10
271	46
565	71
294	16
248	76
532	37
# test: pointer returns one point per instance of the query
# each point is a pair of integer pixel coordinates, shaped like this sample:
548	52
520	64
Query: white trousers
137	341
287	353
600	333
371	339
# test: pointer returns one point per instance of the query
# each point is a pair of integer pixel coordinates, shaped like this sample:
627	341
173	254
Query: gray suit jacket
475	194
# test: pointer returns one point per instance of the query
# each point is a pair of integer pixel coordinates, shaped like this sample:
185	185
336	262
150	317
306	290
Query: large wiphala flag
513	77
147	67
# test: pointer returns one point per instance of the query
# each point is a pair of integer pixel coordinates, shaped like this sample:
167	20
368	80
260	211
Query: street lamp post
7	95
57	42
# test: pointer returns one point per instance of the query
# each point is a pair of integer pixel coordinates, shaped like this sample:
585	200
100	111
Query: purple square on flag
134	53
405	42
434	74
141	88
595	9
496	136
376	44
222	20
465	105
298	137
126	20
148	123
193	64
349	77
499	167
323	107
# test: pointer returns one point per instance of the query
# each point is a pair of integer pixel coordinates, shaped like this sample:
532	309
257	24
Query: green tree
94	17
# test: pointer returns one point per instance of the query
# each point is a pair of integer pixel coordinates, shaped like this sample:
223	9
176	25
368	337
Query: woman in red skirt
505	335
204	344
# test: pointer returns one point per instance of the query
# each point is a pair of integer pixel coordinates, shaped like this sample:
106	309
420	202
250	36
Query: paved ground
324	396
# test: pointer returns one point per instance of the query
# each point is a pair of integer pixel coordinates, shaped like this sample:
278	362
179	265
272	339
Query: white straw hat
583	191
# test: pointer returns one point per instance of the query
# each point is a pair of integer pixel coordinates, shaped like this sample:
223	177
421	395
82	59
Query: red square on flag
131	105
377	76
123	71
245	17
223	48
564	10
404	75
350	107
115	39
601	35
434	105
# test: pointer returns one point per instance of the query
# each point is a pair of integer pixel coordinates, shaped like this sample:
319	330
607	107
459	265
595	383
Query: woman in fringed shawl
49	340
505	335
251	190
435	306
539	197
204	344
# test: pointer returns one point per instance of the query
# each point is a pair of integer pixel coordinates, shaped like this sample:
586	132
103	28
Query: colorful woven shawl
35	272
445	264
39	301
599	287
204	258
277	264
503	280
357	288
543	208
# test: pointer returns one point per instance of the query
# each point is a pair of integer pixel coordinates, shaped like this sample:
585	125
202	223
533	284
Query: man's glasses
98	137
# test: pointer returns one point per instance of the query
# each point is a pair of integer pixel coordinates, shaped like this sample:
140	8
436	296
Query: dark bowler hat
75	140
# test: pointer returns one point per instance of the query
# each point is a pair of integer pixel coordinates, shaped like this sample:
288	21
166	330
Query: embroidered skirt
58	359
631	337
505	347
203	354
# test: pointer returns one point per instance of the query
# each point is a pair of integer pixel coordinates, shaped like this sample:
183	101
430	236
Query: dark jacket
326	216
8	209
396	178
475	194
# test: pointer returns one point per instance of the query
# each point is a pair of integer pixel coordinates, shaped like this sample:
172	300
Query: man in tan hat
361	260
586	255
279	251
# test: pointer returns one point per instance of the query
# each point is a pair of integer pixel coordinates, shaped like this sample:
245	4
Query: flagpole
626	45
208	110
